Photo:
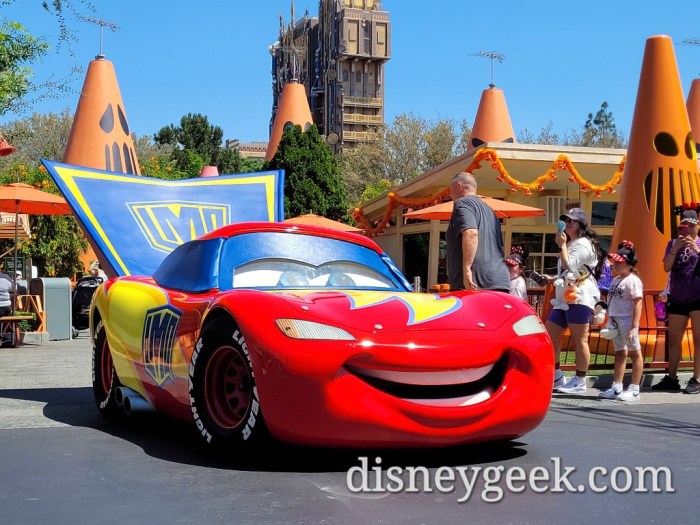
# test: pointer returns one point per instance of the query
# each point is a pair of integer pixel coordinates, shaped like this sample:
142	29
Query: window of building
603	213
367	34
415	257
381	40
353	34
358	77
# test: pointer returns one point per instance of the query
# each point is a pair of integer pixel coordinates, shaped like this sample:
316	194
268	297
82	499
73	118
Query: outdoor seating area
9	328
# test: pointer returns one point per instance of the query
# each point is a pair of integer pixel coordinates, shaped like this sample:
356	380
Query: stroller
80	303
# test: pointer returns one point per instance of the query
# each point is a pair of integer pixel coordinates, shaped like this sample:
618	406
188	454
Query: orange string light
561	163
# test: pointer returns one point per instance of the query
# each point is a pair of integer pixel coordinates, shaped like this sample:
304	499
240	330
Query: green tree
440	141
375	189
408	147
37	136
465	133
196	134
362	167
19	49
547	135
312	183
251	165
195	142
600	130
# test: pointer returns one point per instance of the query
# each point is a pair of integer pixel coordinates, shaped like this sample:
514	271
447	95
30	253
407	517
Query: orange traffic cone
661	170
693	106
294	108
492	122
100	137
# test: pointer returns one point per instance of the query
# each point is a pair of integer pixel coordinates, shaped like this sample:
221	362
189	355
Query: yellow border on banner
69	176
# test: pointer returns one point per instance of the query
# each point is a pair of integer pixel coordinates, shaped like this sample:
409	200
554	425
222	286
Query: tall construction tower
339	57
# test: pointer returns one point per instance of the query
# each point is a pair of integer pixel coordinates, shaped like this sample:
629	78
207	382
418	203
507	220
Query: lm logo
167	225
159	333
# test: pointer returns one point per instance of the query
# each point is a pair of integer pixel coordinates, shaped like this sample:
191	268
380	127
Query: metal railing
653	337
362	101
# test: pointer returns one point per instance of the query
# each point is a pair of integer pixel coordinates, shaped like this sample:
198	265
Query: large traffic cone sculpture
492	122
661	170
100	137
293	109
693	106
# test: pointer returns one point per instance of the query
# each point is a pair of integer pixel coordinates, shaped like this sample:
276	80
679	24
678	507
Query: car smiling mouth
450	388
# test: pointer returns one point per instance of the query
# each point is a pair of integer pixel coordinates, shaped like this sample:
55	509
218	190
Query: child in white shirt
624	312
516	266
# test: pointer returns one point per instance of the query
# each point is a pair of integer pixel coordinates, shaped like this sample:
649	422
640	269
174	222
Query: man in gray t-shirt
475	258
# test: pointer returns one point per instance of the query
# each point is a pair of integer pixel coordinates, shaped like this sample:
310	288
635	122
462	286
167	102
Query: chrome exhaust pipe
131	401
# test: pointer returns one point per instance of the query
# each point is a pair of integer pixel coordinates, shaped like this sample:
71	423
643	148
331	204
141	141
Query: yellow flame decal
421	307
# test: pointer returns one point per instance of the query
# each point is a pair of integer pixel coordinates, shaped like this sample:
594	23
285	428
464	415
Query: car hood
402	311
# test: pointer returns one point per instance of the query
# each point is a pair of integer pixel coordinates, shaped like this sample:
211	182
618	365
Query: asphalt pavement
62	462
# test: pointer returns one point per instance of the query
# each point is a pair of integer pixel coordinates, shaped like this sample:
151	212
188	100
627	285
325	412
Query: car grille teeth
477	384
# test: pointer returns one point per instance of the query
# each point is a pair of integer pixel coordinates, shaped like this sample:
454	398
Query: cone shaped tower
661	170
492	122
100	137
693	106
292	110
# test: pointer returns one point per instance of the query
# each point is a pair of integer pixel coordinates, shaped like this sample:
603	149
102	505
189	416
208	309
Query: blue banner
134	222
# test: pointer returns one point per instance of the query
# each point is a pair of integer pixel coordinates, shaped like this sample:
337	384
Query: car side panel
151	333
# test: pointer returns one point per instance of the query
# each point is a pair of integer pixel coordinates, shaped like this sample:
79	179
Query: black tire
223	395
104	376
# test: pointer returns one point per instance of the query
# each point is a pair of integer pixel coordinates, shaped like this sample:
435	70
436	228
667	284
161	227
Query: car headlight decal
298	329
529	325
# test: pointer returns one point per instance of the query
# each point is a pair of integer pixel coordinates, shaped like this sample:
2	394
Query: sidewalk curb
605	381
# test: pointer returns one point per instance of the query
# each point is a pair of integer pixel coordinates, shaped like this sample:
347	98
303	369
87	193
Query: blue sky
563	59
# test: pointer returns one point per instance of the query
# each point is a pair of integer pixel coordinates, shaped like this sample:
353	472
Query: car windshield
284	273
292	260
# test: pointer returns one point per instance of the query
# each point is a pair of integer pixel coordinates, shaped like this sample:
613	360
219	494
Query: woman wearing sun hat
681	259
578	253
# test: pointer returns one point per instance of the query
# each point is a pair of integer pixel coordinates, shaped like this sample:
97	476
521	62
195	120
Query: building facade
248	150
339	57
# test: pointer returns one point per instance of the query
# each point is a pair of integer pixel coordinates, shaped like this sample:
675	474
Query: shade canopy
311	219
23	198
503	210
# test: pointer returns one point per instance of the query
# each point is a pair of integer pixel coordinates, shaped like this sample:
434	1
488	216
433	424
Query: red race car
315	337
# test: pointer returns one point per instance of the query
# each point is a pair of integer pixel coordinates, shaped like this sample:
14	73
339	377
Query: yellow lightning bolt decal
421	307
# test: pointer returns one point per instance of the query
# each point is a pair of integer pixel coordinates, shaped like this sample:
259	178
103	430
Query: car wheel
223	394
104	377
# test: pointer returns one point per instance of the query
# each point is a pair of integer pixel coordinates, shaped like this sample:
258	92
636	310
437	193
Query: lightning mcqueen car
315	337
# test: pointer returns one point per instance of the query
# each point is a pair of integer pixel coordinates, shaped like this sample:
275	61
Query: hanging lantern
5	148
